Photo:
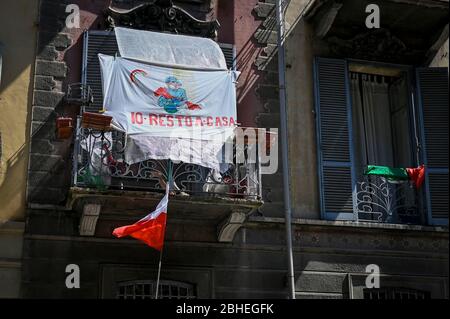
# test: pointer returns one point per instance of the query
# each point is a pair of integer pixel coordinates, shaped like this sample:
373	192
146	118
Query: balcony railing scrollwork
383	201
99	163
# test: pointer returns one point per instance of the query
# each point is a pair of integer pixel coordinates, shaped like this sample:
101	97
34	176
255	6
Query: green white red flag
416	175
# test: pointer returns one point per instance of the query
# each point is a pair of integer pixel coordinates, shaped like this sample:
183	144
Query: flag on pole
151	229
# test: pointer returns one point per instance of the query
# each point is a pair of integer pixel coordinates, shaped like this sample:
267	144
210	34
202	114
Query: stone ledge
7	263
10	227
349	224
77	193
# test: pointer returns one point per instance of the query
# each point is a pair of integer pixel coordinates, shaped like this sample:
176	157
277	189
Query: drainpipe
284	148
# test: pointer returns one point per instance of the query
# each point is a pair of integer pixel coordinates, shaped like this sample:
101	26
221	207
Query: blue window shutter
334	131
432	93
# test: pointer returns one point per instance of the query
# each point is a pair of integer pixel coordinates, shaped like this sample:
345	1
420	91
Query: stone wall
330	259
50	162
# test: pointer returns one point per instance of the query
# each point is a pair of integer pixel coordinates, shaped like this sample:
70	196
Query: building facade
355	97
17	55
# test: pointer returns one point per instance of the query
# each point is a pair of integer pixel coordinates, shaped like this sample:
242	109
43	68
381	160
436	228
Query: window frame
191	288
392	292
416	126
412	104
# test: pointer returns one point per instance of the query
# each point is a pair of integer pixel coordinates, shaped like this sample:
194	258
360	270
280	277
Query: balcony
104	182
379	200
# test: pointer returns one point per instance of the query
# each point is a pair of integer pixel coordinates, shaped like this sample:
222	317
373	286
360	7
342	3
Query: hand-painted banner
164	102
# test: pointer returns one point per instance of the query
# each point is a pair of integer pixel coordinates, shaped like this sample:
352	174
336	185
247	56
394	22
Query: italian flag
151	229
416	175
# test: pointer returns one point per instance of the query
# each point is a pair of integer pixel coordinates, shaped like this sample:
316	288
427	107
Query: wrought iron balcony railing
99	163
382	201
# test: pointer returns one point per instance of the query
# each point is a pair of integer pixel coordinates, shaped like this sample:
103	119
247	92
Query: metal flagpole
159	272
284	148
168	187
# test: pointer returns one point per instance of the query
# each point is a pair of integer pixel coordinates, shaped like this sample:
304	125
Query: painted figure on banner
173	97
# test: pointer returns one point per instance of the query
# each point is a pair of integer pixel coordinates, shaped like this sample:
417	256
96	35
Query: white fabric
373	138
204	153
94	146
169	49
160	209
378	122
131	98
402	144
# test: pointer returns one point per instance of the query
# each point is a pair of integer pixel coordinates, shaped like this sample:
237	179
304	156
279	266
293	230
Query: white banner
171	50
167	102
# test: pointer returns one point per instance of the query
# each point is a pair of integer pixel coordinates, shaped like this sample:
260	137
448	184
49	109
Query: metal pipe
284	148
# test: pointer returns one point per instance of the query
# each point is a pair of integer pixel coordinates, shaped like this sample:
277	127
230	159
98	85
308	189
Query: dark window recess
104	42
395	294
147	290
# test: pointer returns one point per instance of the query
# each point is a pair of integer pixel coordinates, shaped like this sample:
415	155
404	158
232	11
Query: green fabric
91	180
398	174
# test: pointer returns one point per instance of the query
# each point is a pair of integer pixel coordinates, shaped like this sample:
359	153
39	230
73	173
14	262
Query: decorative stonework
227	230
375	45
89	218
48	176
162	15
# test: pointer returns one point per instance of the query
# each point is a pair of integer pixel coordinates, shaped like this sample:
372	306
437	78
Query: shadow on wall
12	194
41	43
58	64
17	35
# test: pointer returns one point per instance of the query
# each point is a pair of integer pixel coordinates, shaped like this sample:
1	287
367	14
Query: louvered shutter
96	42
104	42
230	54
432	89
335	150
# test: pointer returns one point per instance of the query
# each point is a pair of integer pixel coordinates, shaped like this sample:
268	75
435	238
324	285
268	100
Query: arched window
146	289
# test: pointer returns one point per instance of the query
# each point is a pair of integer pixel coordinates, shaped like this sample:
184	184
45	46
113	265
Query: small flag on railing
416	175
151	229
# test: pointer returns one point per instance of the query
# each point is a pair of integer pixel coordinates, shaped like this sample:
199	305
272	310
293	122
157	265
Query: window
147	290
395	294
382	135
368	114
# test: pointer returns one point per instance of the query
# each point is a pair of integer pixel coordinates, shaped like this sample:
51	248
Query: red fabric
192	106
149	231
133	74
163	92
417	175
